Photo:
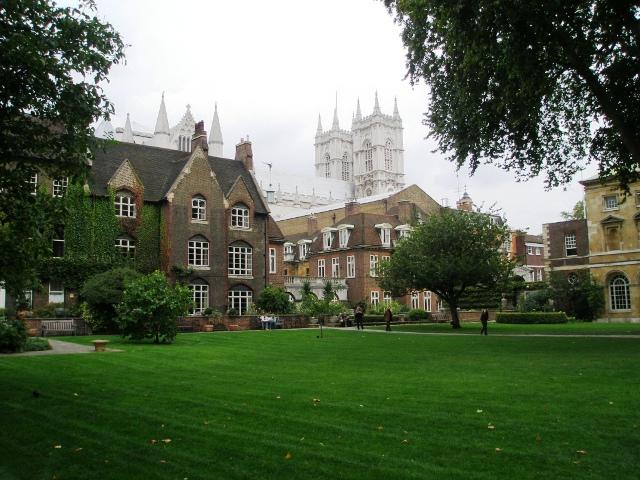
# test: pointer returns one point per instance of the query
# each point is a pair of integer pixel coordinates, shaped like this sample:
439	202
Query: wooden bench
185	328
58	327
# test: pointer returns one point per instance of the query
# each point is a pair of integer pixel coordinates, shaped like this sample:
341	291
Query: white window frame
200	298
59	242
321	268
56	295
610	202
198	208
33	181
126	246
375	297
273	260
619	294
426	300
343	237
240	259
415	299
538	251
386	297
240	217
240	300
570	243
125	205
303	250
198	252
351	266
60	186
335	267
373	265
529	250
327	240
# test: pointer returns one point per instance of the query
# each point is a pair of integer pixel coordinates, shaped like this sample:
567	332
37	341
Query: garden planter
100	345
207	328
32	332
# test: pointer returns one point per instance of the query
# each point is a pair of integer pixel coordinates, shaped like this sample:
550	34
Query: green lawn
572	328
241	405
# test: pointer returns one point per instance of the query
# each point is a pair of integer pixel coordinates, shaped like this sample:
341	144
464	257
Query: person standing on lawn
359	317
484	318
388	318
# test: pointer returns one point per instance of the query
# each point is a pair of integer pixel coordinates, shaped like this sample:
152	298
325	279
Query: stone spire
127	135
319	129
396	114
376	106
358	112
161	132
215	135
335	125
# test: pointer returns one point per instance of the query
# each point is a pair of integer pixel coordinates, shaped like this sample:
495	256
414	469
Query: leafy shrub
380	308
274	300
48	311
583	298
537	301
417	314
3	313
102	293
36	345
531	317
13	336
150	307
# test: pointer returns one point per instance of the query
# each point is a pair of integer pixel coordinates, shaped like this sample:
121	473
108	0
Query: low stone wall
238	322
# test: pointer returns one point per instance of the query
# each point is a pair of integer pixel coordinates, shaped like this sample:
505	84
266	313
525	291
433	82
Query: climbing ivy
148	239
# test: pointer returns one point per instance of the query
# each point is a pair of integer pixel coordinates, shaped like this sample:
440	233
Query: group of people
268	322
359	318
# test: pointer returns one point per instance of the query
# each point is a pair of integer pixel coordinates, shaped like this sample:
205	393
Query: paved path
561	335
58	347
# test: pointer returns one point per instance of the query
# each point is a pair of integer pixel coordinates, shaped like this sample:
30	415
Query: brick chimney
199	137
351	208
405	210
312	224
244	153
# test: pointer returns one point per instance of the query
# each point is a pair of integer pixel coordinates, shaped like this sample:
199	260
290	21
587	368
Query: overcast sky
272	66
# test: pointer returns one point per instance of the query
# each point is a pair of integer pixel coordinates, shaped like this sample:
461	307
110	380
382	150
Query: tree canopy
446	254
577	213
54	60
529	86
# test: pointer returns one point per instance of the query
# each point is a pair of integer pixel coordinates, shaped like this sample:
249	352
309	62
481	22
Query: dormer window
303	249
125	204
403	231
384	230
327	238
240	216
344	232
198	208
288	251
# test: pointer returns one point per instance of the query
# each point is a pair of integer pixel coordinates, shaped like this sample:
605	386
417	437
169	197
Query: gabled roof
158	168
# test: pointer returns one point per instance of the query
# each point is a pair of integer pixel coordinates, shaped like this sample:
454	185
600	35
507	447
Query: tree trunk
455	320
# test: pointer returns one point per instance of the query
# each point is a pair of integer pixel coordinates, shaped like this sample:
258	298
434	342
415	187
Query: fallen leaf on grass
316	400
380	427
206	422
278	397
153	441
610	403
163	461
405	441
491	427
75	394
57	446
498	449
538	438
166	440
478	411
288	456
302	439
78	449
581	452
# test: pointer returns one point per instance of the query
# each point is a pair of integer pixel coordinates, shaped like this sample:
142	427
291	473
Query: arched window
240	298
327	165
240	216
346	168
126	246
619	294
125	204
198	252
200	296
198	208
240	258
388	159
368	156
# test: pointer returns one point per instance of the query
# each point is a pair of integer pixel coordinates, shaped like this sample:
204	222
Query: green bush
150	308
417	314
274	299
531	317
102	293
381	307
48	311
13	336
3	313
36	344
536	301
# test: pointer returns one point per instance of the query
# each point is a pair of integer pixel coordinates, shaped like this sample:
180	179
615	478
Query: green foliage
583	299
54	61
73	272
481	297
314	307
148	239
531	317
13	336
380	308
529	86
537	301
101	293
446	254
416	314
50	310
576	214
274	300
36	345
150	308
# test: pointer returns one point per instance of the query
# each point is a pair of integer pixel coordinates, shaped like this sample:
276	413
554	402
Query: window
321	271
346	168
388	158
611	202
240	216
60	187
440	305
184	143
240	260
58	241
335	267
373	265
529	250
415	299
572	279
351	266
327	165
126	247
28	299
375	297
368	156
619	294
343	237
240	299
327	239
426	298
385	237
386	258
198	208
273	265
33	182
288	249
199	252
386	298
200	297
538	251
570	247
125	205
56	292
303	250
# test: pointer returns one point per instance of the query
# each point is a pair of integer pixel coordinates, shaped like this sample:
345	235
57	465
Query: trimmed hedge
531	317
417	314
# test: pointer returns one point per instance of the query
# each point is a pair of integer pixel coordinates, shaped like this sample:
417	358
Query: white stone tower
215	135
334	151
161	134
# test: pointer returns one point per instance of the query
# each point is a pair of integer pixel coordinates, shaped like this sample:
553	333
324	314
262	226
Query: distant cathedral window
184	143
346	171
388	160
327	165
368	156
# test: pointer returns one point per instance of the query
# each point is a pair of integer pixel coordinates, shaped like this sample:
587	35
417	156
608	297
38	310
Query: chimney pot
199	137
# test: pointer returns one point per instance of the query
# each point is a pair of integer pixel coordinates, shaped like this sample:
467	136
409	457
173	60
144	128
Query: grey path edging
58	347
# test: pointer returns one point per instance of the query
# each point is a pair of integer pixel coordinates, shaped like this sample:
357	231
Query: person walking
484	318
359	318
388	318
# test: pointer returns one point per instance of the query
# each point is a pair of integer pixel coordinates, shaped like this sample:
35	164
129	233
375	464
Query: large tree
446	254
53	62
531	86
